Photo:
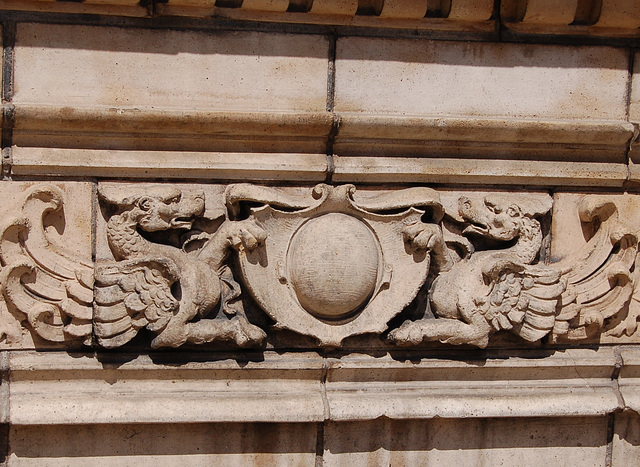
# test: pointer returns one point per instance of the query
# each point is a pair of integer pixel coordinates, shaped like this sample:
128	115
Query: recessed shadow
263	443
167	42
477	54
442	435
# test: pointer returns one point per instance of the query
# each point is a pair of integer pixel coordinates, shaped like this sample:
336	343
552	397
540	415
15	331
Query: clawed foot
245	334
237	330
246	234
409	334
447	331
422	237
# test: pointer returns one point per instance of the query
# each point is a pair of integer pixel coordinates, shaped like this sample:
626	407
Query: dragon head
501	217
158	208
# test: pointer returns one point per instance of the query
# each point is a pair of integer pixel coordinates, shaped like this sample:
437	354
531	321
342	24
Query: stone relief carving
49	287
328	262
333	267
138	290
506	288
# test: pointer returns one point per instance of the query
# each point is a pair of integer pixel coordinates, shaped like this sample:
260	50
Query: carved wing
599	277
524	299
131	295
49	286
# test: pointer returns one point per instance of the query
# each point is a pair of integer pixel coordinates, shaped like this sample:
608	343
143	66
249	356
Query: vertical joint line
497	16
634	137
8	119
632	54
331	87
8	44
331	73
615	374
94	223
335	126
320	445
611	420
326	413
8	111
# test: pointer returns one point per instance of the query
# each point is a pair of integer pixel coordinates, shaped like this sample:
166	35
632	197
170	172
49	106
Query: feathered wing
131	295
523	299
49	286
599	277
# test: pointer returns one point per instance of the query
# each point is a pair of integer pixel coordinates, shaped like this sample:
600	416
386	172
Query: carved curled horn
239	193
418	197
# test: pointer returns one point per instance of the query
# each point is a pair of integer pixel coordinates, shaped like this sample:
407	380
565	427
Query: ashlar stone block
474	79
206	444
74	66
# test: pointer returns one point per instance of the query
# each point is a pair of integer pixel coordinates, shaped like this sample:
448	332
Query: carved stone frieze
328	262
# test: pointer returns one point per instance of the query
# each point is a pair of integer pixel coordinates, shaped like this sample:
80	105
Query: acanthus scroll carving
328	262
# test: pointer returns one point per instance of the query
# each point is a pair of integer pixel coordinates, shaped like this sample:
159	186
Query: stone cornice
234	145
52	388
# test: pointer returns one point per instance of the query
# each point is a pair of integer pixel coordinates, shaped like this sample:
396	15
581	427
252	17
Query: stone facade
320	232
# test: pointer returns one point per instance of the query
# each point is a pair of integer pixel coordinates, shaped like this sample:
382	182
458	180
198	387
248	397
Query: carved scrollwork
49	286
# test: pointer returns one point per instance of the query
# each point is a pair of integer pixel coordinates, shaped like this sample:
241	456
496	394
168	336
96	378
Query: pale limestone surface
331	262
630	378
154	164
284	387
574	382
569	234
157	389
214	208
626	439
368	169
506	80
103	102
116	67
493	441
556	12
634	98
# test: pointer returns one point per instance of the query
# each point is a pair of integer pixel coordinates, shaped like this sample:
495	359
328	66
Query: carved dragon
162	287
502	289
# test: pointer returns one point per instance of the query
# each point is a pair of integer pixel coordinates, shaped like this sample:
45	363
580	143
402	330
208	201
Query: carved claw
447	331
422	236
594	318
246	234
409	334
245	334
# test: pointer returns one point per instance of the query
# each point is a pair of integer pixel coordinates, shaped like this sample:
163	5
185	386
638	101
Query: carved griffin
500	287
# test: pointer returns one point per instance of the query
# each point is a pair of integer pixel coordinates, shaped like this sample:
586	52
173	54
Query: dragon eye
173	200
145	204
